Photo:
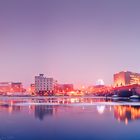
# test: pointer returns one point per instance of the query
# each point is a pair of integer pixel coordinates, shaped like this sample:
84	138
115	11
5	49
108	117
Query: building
5	87
65	87
126	78
44	85
12	87
99	90
16	87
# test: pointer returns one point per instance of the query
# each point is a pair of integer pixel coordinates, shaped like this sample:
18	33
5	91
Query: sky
73	41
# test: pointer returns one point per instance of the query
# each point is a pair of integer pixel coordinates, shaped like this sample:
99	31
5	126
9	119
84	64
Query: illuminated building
11	87
65	87
126	78
99	90
5	87
16	87
44	84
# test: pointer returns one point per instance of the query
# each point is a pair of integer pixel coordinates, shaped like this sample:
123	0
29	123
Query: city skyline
72	41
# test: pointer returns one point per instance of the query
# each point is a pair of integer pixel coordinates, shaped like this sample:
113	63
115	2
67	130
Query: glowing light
126	121
72	100
100	82
101	109
110	108
121	113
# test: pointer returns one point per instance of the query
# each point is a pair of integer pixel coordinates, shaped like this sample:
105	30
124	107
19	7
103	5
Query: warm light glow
126	113
126	121
100	109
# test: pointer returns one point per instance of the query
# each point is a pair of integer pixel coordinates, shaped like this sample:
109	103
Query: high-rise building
125	78
44	84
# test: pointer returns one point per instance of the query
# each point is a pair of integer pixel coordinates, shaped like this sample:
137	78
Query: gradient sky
74	41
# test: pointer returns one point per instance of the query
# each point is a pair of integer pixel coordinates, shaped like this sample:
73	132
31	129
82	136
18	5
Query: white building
44	84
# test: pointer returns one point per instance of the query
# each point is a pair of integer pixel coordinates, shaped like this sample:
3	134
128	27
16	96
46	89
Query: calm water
67	119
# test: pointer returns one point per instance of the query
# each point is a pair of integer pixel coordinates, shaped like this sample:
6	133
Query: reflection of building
101	109
43	84
10	108
41	111
126	113
14	109
126	78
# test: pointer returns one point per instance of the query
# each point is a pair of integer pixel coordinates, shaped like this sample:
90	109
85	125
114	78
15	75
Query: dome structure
100	82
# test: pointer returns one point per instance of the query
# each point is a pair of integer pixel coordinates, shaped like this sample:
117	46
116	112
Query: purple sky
74	41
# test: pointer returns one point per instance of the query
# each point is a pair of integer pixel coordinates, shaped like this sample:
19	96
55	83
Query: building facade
126	78
5	87
44	84
64	87
16	87
11	87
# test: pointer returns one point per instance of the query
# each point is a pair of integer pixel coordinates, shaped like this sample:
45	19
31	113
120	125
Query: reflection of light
126	113
10	109
110	108
11	103
72	92
101	109
126	121
63	101
72	100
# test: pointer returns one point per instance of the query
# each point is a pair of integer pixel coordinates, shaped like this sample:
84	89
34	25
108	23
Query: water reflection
51	101
127	113
42	111
10	109
101	109
123	114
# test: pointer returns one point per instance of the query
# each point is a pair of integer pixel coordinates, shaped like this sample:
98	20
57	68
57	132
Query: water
68	119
